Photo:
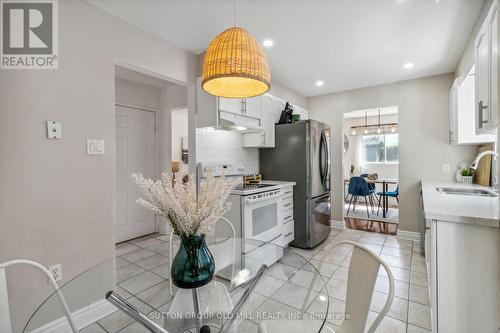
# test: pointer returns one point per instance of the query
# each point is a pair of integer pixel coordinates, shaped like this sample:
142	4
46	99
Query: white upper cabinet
252	106
255	117
462	113
454	112
249	107
265	137
234	105
486	51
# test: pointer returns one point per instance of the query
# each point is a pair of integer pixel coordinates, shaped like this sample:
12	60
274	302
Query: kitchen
280	243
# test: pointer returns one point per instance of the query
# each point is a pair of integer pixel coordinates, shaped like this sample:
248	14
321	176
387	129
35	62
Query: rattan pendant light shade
235	66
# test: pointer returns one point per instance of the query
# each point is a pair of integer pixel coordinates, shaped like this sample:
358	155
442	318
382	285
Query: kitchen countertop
468	209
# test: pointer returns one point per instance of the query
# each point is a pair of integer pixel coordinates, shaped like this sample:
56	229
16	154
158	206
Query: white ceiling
346	43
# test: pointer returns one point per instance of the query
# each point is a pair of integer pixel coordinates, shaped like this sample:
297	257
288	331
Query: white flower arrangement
188	213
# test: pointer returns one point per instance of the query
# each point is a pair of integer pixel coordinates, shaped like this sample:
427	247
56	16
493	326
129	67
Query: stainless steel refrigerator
302	155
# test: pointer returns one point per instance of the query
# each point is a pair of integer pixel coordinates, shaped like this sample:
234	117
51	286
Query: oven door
261	220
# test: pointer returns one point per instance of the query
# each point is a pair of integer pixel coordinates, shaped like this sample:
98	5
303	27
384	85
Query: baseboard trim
82	317
409	235
335	224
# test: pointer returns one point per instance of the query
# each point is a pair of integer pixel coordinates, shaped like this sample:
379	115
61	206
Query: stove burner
246	187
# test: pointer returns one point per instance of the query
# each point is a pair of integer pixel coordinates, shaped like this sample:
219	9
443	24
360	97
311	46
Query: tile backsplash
225	146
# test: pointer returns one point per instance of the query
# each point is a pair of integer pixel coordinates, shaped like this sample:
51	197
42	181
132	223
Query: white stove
220	169
255	213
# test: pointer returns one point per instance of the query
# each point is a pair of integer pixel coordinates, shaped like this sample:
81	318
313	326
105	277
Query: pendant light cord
235	11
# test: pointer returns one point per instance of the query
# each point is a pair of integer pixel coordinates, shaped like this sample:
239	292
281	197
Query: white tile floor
142	278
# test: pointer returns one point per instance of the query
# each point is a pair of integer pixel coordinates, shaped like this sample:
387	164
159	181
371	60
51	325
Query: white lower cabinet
463	265
287	221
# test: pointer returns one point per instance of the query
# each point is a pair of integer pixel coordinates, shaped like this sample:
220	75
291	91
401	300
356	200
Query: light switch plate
54	129
95	147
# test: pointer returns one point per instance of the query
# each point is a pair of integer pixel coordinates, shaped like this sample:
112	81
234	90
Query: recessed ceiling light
408	65
268	43
320	83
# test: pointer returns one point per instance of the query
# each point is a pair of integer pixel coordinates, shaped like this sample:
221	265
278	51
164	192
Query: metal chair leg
366	203
355	202
371	202
350	202
378	208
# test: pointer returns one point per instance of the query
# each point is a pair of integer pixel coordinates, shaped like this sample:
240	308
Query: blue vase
193	265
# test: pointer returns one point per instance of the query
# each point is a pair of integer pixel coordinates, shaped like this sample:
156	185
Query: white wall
57	203
179	131
225	146
138	95
279	90
423	140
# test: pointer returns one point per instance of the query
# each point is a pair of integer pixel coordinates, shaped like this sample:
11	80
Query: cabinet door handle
481	108
288	204
288	217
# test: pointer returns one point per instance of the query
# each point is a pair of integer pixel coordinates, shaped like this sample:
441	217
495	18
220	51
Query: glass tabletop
254	282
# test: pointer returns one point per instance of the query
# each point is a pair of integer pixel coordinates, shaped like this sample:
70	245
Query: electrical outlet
56	272
446	168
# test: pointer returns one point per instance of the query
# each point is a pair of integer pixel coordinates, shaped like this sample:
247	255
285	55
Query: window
383	148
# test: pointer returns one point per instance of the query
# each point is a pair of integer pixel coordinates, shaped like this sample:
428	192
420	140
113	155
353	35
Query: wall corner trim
409	235
335	224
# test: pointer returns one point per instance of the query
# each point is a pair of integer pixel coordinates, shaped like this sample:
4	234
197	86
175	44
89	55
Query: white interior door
135	152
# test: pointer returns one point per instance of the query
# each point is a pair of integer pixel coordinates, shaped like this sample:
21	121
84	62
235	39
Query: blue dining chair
390	194
358	187
371	186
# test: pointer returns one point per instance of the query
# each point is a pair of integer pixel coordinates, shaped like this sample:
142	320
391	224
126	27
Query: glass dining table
254	282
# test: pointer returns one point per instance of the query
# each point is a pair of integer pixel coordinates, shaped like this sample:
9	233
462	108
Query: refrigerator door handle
323	159
328	163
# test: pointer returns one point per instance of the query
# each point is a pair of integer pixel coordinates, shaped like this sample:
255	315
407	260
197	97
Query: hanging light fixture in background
235	65
365	130
380	129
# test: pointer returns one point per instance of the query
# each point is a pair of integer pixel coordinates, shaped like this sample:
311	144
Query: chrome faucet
474	164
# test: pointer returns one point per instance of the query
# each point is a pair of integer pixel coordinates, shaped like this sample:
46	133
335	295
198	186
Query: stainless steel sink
466	191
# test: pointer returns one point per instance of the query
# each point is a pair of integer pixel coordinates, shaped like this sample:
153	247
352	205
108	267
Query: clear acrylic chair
5	323
362	275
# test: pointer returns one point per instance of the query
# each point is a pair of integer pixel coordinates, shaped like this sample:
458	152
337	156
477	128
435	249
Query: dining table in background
385	187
